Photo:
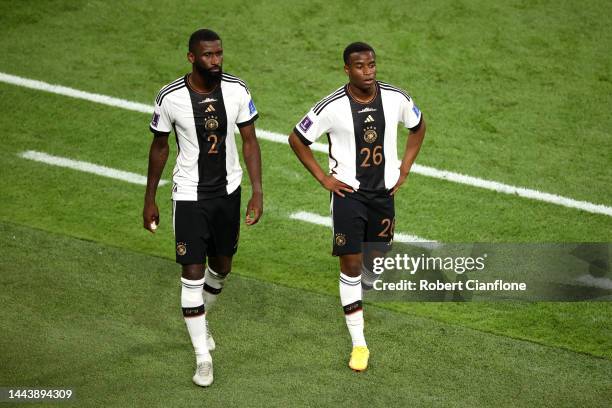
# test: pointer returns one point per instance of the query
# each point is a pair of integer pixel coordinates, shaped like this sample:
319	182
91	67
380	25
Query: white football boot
204	373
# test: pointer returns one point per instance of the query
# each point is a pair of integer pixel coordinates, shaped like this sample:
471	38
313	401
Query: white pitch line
87	167
327	222
320	147
312	218
75	93
471	181
138	179
512	190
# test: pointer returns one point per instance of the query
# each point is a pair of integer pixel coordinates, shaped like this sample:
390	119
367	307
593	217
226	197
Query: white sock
192	303
350	296
213	284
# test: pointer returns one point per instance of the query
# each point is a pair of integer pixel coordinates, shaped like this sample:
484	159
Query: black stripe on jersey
369	130
248	122
233	79
329	143
157	133
237	82
230	76
176	81
414	129
335	93
169	91
301	137
174	84
335	98
178	146
392	88
212	172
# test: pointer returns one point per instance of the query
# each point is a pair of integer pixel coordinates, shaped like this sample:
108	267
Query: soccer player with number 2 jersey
360	120
202	109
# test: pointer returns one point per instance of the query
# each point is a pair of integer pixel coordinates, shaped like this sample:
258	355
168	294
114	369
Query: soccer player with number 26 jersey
360	120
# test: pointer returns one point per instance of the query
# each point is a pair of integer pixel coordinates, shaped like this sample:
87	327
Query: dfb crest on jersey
369	134
211	123
305	124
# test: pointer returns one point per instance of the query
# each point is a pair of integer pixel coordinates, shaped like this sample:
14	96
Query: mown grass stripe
320	147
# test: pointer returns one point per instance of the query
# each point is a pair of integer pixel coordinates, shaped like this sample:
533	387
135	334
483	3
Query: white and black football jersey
362	137
207	164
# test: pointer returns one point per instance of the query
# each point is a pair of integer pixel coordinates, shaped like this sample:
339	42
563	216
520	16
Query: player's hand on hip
254	209
150	216
336	186
400	181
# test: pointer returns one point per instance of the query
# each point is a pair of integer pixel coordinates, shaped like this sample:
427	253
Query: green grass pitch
110	328
518	92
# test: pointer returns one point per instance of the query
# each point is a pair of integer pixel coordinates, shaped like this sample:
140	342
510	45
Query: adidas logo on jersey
369	119
210	108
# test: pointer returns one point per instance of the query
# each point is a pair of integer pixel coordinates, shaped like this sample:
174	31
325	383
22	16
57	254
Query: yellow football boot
359	358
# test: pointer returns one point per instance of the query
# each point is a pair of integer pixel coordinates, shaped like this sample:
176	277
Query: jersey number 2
213	148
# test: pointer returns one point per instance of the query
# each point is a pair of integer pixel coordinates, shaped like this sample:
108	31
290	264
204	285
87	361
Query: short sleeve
410	114
161	122
312	126
248	113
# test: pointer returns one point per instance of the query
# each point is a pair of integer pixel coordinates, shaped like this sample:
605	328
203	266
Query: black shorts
358	221
206	228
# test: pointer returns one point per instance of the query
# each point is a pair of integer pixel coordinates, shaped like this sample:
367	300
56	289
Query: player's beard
210	77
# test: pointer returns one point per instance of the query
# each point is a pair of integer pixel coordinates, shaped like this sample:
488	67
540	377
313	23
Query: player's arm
413	145
158	155
252	159
304	153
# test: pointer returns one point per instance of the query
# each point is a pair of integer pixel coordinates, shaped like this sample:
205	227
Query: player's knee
193	271
223	270
352	269
221	266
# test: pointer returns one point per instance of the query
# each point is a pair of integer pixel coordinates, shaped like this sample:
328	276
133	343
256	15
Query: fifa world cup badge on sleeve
155	119
416	110
252	109
305	124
